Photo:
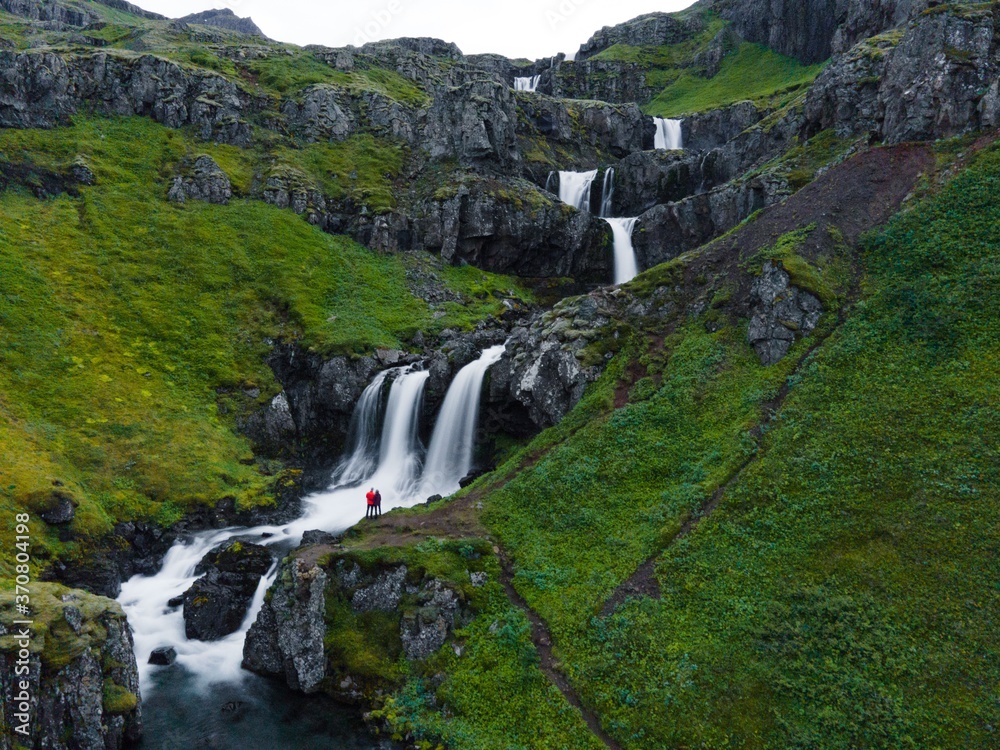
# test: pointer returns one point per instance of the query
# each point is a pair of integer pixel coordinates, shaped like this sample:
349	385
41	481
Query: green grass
845	592
361	168
121	314
753	73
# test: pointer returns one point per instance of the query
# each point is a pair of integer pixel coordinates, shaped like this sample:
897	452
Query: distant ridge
224	18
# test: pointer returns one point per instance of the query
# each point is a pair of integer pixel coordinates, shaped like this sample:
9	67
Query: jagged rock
319	537
273	427
924	81
43	89
803	29
216	603
425	630
289	188
472	119
287	639
650	30
89	701
666	231
383	595
163	656
206	182
224	18
595	128
717	127
650	178
517	229
868	18
320	115
781	313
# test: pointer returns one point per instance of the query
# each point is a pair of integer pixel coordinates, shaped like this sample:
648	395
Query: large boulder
217	603
204	182
781	313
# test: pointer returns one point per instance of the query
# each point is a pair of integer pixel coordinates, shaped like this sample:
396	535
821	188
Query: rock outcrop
76	674
40	89
286	641
205	182
217	603
782	313
224	18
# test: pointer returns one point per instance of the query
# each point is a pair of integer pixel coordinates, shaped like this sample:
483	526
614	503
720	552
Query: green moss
753	72
118	700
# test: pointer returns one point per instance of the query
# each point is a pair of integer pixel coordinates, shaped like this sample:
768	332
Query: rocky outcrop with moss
76	673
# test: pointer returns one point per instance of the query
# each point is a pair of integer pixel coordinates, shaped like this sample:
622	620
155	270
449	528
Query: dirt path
542	638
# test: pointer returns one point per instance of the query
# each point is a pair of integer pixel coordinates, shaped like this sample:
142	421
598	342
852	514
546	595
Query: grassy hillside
844	592
752	72
123	317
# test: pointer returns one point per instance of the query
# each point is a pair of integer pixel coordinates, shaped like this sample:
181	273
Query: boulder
217	603
163	656
205	182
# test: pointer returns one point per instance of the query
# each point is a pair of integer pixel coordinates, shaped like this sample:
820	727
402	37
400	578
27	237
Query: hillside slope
747	499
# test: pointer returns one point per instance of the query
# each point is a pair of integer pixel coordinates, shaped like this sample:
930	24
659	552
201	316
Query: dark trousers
371	512
378	509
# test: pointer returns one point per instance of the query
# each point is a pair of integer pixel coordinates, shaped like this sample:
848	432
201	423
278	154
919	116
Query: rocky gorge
447	184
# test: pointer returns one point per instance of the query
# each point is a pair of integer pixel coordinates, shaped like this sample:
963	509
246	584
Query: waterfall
626	264
551	182
527	84
608	192
449	459
363	437
668	134
399	459
574	188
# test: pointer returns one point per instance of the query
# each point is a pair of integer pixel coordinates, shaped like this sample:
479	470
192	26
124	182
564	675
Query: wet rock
205	182
216	603
163	656
319	537
383	595
177	601
781	313
286	641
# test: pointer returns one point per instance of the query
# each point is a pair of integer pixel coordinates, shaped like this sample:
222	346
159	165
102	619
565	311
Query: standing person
370	497
378	502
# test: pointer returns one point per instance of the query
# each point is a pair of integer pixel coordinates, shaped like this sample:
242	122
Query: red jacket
371	498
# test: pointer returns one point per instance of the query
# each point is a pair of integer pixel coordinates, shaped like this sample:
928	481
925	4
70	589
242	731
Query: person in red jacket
371	503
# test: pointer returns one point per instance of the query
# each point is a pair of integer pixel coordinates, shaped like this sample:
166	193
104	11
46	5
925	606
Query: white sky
515	28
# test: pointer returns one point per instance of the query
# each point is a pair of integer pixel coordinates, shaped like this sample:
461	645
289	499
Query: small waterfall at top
608	192
449	458
527	84
626	264
574	188
668	134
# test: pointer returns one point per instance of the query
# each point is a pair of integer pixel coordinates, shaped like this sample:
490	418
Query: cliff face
77	674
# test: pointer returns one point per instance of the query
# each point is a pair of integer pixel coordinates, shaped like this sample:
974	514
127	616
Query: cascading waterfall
363	437
527	84
608	192
668	134
574	188
389	462
449	458
626	264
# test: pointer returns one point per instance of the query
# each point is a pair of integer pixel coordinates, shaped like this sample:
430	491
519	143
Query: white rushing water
626	264
574	188
527	84
449	458
384	453
668	134
608	193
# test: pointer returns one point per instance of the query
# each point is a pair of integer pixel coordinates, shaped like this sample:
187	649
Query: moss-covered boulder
216	603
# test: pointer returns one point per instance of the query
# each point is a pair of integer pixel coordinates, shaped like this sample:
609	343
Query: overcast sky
515	28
